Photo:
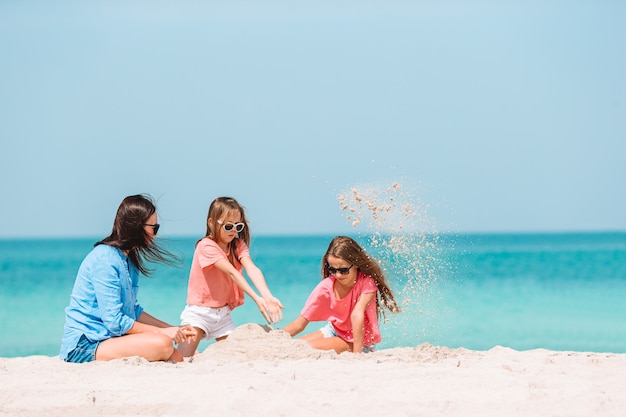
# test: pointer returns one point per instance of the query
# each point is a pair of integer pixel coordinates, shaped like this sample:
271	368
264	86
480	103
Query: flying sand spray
400	234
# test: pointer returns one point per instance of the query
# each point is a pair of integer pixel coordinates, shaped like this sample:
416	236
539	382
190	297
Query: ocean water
556	291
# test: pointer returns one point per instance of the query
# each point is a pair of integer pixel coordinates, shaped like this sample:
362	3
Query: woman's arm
148	319
274	305
357	318
107	290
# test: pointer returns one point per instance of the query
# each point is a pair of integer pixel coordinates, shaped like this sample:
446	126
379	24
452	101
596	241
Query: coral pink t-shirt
208	286
322	305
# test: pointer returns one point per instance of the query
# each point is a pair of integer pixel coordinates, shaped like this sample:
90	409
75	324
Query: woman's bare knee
164	348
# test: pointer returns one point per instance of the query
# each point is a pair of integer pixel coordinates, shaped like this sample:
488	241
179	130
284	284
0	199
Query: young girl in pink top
351	295
216	283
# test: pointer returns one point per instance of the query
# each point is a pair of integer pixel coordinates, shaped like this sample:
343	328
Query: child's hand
189	333
274	308
175	333
260	302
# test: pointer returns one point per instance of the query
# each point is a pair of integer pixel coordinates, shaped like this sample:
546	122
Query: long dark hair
348	249
220	207
129	235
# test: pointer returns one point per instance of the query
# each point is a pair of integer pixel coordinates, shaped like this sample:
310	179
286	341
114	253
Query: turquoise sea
563	291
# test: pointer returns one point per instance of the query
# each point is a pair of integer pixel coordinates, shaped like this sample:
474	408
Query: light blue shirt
103	303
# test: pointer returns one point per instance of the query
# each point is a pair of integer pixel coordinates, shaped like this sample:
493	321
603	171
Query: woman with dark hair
104	320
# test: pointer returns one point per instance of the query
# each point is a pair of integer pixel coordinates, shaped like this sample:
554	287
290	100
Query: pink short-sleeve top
322	305
208	286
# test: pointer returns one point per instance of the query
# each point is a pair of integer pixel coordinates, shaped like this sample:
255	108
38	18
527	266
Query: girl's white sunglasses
228	226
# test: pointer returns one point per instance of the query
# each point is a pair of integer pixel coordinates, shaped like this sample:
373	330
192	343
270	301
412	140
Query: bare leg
151	346
317	341
189	349
176	356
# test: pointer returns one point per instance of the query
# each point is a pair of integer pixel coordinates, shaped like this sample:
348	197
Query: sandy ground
257	372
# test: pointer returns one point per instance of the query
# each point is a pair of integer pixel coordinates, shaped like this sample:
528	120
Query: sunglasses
342	271
155	227
228	226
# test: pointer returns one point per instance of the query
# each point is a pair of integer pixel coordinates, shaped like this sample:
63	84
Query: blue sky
498	116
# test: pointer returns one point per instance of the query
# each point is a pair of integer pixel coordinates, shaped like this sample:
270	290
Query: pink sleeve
368	285
209	253
317	306
242	249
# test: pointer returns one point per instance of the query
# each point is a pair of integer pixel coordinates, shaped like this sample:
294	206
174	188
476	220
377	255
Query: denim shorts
329	331
85	351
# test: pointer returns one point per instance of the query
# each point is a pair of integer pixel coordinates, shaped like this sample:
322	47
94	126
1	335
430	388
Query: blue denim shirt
103	303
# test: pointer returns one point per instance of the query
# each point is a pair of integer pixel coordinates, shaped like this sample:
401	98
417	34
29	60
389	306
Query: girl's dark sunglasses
155	227
342	271
228	226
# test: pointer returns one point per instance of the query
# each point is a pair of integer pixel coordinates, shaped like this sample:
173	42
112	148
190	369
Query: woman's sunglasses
228	226
155	227
342	271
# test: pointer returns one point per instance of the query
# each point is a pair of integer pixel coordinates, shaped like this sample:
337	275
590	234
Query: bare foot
176	356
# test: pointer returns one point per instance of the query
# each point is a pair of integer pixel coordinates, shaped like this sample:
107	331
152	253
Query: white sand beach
266	373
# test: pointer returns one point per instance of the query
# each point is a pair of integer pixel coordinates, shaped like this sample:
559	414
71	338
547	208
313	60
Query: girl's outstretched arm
357	317
296	326
225	266
274	306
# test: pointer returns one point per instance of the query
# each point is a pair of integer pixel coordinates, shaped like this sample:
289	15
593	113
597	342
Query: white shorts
214	322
